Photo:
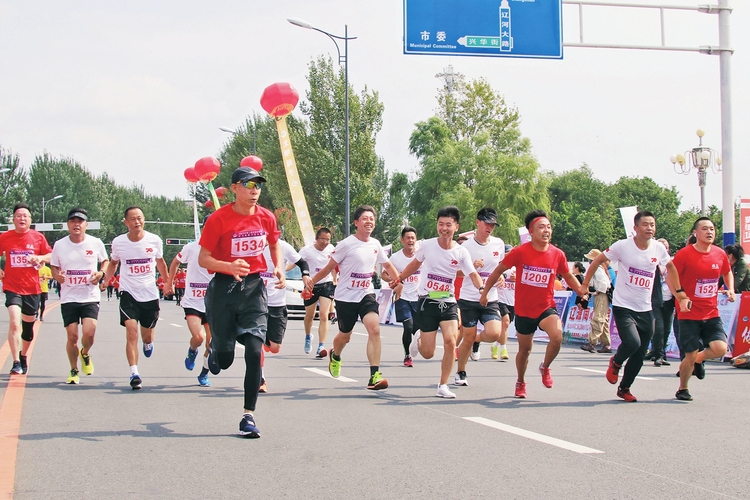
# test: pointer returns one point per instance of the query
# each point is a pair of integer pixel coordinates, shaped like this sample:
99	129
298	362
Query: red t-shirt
179	279
535	277
20	276
699	275
230	236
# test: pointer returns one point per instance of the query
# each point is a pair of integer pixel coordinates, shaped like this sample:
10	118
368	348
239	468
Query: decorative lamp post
47	202
701	158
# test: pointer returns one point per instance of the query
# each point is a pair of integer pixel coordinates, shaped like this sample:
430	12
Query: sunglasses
251	184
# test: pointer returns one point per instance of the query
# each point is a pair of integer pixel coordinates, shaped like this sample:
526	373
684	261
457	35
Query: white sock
205	362
134	369
495	344
502	346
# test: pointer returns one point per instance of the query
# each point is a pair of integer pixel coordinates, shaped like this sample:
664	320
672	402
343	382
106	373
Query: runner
356	257
317	255
178	284
25	251
232	246
536	262
486	252
75	262
45	274
638	260
193	304
442	258
406	293
141	255
699	267
111	288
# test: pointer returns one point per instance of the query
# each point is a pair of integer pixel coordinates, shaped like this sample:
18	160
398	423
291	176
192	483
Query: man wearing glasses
317	256
232	245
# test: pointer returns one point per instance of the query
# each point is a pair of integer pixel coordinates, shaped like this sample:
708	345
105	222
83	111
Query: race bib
414	278
19	258
137	267
267	278
706	288
77	277
436	283
359	281
536	276
248	243
198	290
640	278
484	277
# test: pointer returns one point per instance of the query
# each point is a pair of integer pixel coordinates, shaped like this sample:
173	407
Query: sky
139	89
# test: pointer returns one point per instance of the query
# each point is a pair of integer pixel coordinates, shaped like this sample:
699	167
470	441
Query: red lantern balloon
190	175
209	204
221	191
206	169
253	162
279	99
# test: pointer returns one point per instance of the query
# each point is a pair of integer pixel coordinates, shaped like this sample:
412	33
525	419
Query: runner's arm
111	270
169	284
491	280
322	273
237	268
729	282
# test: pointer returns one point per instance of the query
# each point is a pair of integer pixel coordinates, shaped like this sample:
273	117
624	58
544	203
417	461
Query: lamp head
700	133
300	23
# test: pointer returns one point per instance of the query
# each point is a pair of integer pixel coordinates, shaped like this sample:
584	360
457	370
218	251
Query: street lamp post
237	133
345	61
701	158
47	202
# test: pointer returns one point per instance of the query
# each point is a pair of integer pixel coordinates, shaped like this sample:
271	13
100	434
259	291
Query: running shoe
24	364
626	395
504	353
263	389
322	353
613	371
135	382
476	355
521	390
460	379
73	377
190	358
408	362
87	366
334	367
213	366
16	369
377	382
546	376
699	370
203	380
414	346
308	344
683	395
495	351
248	428
444	392
148	349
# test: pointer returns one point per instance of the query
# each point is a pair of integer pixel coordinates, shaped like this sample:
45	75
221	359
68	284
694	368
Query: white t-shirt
490	254
356	260
635	272
439	267
77	261
196	280
317	259
410	292
506	294
277	296
138	265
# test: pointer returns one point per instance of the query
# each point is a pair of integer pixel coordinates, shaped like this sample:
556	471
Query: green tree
13	184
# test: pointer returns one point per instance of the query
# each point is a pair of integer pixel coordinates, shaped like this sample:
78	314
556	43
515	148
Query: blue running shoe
203	380
308	344
248	428
148	349
190	358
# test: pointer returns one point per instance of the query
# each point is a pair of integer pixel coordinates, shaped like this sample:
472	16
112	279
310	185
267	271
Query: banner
562	300
295	186
628	219
739	340
745	225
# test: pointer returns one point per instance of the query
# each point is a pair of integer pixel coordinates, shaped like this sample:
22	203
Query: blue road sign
493	28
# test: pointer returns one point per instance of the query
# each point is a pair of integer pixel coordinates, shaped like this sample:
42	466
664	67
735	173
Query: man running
25	251
317	255
232	245
486	252
536	262
76	260
141	254
406	293
440	258
699	267
193	304
638	258
356	257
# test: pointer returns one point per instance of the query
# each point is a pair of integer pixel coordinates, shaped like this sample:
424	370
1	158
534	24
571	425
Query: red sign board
742	334
745	225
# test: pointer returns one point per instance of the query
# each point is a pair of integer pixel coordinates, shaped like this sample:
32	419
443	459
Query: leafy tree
13	184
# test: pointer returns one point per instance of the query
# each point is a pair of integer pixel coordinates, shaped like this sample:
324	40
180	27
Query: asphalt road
328	438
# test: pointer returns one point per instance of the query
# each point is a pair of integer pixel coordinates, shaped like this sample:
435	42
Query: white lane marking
175	325
604	372
533	435
326	374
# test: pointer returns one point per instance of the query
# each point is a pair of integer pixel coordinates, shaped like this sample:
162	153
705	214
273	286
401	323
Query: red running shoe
408	362
520	389
613	371
546	376
626	395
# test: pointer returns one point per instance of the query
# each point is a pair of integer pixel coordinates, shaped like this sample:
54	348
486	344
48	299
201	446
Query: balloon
190	175
279	99
253	162
207	168
221	191
209	204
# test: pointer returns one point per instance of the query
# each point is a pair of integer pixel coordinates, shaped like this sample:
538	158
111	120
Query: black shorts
527	326
44	296
189	311
325	290
431	312
277	317
510	311
697	334
29	304
236	308
145	313
75	312
348	312
474	312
